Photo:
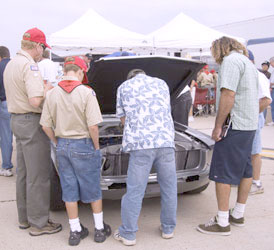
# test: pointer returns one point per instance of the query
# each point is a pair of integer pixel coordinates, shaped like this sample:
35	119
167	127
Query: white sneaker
190	119
6	172
256	189
270	124
126	242
166	236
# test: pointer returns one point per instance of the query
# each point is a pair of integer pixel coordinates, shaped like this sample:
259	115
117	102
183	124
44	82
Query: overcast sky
143	16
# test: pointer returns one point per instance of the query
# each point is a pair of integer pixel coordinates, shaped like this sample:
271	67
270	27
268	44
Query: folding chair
212	103
201	101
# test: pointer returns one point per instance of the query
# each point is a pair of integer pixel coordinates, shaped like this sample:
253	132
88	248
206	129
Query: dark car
193	148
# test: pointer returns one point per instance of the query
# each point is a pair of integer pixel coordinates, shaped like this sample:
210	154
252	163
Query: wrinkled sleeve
264	86
93	112
120	112
46	119
231	75
33	81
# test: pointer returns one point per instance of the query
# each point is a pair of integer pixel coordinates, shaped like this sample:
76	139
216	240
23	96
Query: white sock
238	211
257	182
75	225
98	220
223	218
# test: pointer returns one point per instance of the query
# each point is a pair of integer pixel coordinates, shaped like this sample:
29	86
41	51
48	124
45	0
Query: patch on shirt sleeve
34	68
93	92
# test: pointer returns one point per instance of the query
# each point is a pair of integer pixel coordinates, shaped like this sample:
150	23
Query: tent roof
183	32
94	33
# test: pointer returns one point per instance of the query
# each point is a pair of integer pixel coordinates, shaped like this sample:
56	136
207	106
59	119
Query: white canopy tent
92	33
183	34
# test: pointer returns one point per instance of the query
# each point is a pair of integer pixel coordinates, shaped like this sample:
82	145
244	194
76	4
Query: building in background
259	34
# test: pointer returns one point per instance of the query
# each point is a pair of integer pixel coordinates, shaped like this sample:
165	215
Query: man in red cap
25	92
215	76
70	118
204	77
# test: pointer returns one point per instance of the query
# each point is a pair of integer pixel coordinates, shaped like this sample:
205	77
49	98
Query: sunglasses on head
43	46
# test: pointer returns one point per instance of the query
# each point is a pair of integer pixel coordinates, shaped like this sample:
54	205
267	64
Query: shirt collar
234	51
139	76
26	54
69	78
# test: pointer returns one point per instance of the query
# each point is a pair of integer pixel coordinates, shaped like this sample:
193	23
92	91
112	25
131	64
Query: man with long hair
237	98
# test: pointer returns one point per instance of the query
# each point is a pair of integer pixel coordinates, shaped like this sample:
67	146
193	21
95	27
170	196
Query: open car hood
107	74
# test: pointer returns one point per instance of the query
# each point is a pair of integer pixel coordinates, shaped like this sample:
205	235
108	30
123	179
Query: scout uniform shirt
22	80
70	114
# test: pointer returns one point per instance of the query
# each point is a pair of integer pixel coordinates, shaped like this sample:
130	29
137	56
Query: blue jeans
272	104
257	144
5	136
79	168
140	164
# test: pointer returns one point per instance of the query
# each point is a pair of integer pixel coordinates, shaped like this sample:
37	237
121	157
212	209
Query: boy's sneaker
236	222
256	189
50	228
212	227
101	235
75	237
24	225
166	236
126	242
6	172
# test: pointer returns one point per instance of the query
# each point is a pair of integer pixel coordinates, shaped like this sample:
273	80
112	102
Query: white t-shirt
186	88
272	78
263	86
263	92
48	70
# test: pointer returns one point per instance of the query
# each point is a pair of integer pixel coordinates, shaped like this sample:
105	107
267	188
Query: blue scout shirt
3	65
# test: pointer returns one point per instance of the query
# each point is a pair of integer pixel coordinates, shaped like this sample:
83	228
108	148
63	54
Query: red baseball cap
36	35
81	64
205	67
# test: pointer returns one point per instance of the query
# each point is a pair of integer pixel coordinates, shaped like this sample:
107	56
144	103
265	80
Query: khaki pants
33	169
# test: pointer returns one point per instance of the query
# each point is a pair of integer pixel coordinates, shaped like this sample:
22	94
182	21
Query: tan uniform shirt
22	80
205	79
70	114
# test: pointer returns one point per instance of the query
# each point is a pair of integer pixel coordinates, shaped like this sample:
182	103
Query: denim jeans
79	170
140	164
272	104
5	136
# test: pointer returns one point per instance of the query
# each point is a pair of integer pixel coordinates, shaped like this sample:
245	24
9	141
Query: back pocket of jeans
82	155
168	156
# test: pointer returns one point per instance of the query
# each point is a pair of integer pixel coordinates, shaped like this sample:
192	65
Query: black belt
30	113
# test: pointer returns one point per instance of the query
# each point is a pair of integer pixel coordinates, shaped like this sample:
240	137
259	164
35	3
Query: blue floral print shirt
144	101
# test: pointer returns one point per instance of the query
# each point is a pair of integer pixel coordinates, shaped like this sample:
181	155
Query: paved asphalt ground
192	210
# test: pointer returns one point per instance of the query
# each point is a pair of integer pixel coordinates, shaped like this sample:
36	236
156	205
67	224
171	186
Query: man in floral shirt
143	105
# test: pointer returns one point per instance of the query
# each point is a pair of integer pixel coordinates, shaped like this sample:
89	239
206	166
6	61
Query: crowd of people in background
32	97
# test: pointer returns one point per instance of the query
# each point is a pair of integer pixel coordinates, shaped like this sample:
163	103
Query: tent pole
154	48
